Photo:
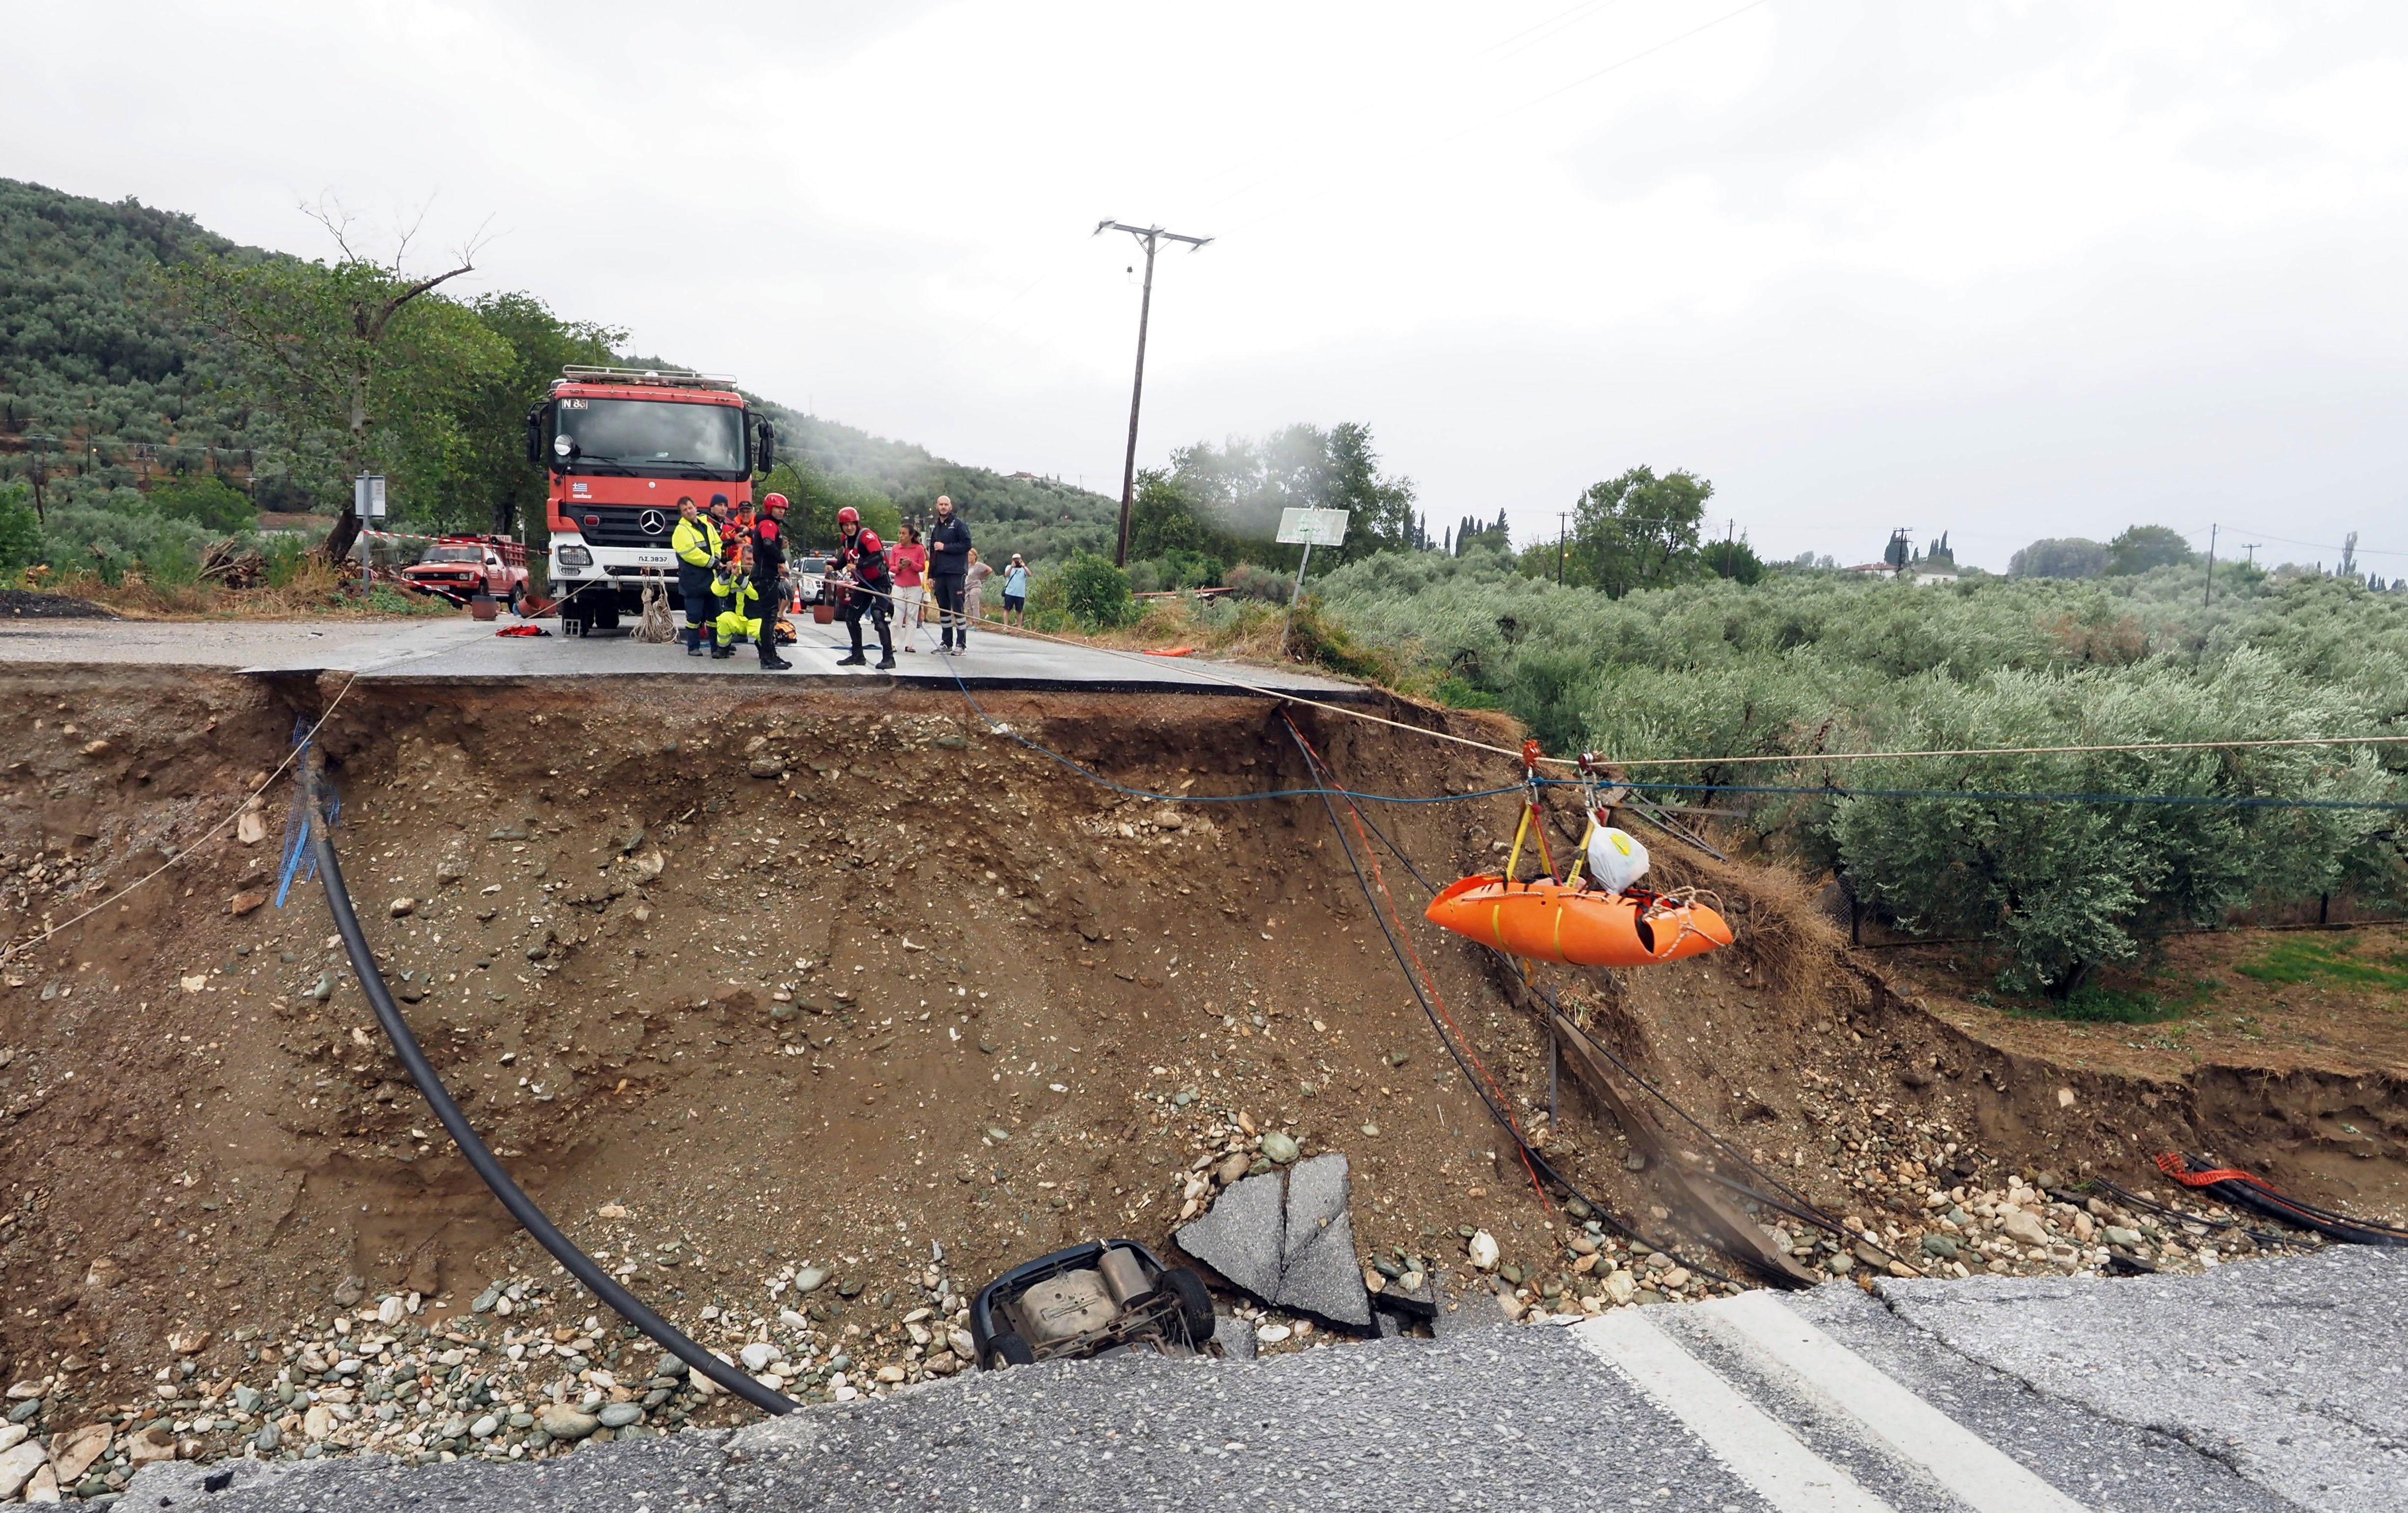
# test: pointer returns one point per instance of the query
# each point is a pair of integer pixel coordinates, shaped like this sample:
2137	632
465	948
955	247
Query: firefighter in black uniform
872	593
768	572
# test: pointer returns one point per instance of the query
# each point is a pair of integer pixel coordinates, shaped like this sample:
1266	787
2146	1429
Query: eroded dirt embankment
831	976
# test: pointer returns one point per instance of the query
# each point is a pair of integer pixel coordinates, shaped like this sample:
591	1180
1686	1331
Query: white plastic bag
1616	859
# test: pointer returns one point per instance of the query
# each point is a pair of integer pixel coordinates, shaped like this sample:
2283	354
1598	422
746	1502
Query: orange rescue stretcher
1574	921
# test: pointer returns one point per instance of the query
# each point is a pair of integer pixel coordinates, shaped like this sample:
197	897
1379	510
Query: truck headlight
576	557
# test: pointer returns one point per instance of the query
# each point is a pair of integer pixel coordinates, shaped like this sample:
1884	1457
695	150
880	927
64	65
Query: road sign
367	496
1312	527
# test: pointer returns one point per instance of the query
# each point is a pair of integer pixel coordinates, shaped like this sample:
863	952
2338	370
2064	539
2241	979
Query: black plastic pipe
522	1207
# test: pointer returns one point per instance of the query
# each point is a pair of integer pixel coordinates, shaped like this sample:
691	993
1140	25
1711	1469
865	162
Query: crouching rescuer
695	541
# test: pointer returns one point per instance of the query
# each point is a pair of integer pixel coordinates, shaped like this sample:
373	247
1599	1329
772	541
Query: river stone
1280	1147
1942	1246
483	1428
620	1415
561	1421
245	1399
812	1278
269	1438
2118	1234
17	1465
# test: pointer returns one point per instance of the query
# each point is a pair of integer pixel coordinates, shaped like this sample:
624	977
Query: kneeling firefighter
739	613
872	594
768	579
695	541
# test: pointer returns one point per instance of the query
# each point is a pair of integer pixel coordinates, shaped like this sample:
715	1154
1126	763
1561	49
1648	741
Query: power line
1149	237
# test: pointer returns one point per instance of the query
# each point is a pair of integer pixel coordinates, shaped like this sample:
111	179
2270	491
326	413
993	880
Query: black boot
856	659
694	640
886	662
770	661
721	651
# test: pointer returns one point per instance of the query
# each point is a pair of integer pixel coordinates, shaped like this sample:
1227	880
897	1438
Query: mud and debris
770	1004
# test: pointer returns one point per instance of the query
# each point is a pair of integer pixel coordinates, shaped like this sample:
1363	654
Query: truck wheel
1194	1303
1009	1350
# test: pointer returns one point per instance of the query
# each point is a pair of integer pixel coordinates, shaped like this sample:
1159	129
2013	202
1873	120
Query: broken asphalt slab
1288	1241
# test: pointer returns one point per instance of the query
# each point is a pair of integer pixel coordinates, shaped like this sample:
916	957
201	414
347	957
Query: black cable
520	1207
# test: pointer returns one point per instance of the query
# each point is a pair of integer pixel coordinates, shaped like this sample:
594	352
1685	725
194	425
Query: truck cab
621	446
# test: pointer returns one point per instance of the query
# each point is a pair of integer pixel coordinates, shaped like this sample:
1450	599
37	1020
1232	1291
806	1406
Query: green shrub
206	500
283	554
2096	1004
21	529
172	563
1096	594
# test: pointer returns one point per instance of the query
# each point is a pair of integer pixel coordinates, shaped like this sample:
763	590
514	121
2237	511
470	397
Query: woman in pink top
910	563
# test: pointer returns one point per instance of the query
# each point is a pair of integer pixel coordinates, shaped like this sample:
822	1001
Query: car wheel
1009	1350
517	600
1194	1303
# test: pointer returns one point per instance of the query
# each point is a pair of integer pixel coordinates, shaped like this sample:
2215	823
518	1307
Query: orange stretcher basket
1551	921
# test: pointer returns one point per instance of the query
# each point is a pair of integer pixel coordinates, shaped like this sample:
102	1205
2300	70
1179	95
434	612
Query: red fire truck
622	446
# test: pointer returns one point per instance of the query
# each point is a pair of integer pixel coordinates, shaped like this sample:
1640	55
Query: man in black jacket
768	569
949	566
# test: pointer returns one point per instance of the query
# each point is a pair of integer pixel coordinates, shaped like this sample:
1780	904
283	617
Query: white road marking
1970	1468
1773	1463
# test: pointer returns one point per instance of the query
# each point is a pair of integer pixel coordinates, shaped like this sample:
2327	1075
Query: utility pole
2209	597
2251	547
1563	547
1149	237
1730	544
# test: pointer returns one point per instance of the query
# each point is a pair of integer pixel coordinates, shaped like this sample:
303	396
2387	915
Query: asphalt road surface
460	649
2268	1386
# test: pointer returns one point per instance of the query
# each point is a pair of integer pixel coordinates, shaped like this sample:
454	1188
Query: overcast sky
2003	269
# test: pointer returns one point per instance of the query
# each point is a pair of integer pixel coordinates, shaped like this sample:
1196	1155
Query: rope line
1207	673
2020	796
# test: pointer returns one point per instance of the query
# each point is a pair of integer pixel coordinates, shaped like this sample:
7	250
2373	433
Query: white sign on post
367	496
1312	527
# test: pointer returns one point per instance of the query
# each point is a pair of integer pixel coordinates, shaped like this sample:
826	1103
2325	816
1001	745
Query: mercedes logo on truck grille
653	522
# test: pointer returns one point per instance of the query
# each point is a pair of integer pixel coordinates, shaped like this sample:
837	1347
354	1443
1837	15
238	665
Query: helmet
776	501
848	516
869	541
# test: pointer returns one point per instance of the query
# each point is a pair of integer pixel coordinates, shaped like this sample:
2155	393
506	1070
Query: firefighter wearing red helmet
768	542
865	556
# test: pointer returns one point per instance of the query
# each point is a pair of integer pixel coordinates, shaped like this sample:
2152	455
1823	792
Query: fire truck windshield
663	435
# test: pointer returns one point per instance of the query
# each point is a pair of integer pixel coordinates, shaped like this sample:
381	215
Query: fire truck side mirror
768	452
535	436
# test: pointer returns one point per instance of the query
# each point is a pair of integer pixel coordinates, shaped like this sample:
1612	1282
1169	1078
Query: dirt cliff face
842	976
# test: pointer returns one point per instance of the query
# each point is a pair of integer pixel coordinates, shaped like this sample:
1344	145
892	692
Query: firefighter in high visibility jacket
740	604
695	541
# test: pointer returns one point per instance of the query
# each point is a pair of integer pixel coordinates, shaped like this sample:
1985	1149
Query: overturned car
1101	1298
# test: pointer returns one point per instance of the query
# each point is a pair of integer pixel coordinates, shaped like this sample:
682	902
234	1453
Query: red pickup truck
460	567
